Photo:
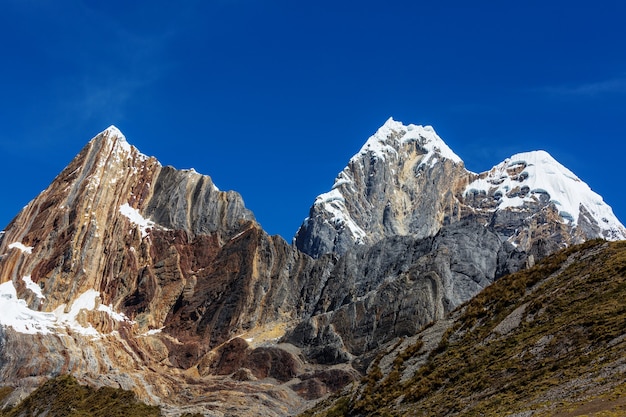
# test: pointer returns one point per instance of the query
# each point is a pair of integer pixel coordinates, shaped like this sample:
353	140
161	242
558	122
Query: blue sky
272	97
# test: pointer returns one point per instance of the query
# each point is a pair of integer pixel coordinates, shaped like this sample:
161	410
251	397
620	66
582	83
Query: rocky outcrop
397	286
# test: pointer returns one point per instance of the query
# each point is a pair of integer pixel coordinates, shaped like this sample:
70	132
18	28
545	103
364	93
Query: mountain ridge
406	181
128	273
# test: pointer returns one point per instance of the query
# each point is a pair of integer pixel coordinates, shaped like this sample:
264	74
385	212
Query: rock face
127	273
405	181
398	286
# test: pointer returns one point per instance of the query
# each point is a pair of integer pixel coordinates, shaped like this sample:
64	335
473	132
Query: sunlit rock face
127	273
397	286
124	272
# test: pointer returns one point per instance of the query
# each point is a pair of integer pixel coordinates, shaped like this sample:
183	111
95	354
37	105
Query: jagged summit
109	191
405	180
113	131
384	190
393	134
118	142
536	177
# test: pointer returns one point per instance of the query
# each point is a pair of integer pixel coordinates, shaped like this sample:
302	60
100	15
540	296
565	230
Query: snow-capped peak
120	146
530	177
114	131
387	171
390	136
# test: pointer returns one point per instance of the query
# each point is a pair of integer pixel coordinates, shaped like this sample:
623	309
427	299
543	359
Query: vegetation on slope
64	396
547	341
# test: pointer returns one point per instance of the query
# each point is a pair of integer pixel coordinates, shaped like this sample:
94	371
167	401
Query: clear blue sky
272	97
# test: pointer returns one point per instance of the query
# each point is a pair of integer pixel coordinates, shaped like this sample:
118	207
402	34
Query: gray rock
400	284
186	200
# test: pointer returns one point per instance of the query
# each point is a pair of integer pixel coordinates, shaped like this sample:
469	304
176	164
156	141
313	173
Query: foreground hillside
64	396
547	341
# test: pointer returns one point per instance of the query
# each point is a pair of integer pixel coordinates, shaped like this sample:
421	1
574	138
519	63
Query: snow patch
152	332
15	313
21	246
537	174
342	179
85	301
34	288
114	314
136	218
333	203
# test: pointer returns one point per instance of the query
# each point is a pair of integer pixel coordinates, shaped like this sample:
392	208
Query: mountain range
128	274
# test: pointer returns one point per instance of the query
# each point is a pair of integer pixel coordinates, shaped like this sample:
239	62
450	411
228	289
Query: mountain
544	341
405	181
129	274
126	273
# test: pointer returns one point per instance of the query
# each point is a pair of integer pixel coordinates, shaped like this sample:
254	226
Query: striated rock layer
124	272
127	273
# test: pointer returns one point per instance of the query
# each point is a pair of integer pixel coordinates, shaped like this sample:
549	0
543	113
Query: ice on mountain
33	287
393	133
334	204
122	147
85	301
21	247
136	218
524	177
15	313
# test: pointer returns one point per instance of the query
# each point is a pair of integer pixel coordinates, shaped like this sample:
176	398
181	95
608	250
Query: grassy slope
564	356
64	396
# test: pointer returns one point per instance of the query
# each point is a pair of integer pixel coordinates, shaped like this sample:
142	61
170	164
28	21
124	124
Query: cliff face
397	286
127	273
403	182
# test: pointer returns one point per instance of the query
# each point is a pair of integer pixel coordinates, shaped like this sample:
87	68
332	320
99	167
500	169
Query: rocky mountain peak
534	182
405	181
401	182
113	144
96	220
